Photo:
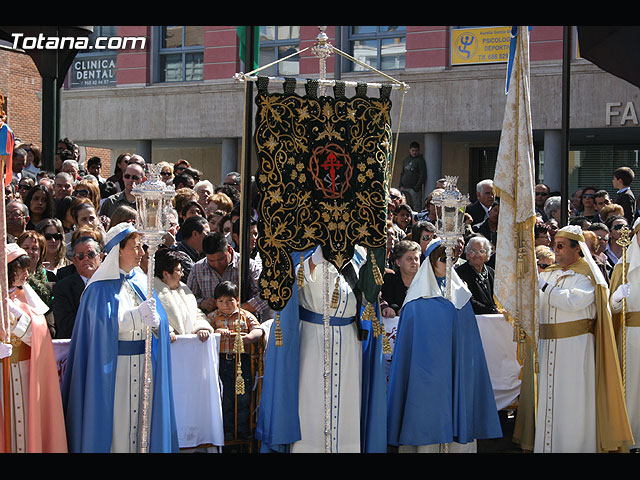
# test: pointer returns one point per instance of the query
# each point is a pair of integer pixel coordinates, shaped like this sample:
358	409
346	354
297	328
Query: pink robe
44	415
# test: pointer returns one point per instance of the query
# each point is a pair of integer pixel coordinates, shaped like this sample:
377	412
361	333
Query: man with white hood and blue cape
103	382
440	392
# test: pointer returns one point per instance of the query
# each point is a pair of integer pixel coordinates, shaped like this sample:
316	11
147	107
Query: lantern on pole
153	201
450	205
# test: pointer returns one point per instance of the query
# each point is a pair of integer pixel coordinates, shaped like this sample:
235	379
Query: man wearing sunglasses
17	218
233	179
86	258
542	192
580	406
133	175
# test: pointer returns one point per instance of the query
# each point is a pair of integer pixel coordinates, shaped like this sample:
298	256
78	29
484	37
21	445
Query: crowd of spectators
599	216
46	210
60	219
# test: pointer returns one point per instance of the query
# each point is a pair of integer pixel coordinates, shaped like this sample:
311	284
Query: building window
278	42
594	164
181	54
381	47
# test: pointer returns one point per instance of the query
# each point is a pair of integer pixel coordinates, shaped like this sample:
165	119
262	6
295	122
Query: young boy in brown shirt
229	320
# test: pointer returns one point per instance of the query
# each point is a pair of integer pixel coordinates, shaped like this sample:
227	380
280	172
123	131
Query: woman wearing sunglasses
545	257
439	388
24	185
589	202
88	190
53	233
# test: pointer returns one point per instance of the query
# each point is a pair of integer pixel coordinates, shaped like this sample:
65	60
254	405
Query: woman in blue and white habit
102	389
439	387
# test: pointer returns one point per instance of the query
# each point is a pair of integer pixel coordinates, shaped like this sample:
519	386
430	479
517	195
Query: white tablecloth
196	388
499	350
196	391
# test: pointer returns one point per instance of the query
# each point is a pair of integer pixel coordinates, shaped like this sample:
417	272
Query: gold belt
566	329
632	319
21	351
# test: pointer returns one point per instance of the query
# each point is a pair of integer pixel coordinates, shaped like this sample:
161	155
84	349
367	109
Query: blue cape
439	386
89	382
278	422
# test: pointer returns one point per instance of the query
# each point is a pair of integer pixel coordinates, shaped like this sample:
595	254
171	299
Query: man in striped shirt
222	263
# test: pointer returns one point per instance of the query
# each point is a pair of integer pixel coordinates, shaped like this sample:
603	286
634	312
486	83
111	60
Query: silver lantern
450	205
153	201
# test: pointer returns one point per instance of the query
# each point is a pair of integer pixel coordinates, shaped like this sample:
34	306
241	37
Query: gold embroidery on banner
323	167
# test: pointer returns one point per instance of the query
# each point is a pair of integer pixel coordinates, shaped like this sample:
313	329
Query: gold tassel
239	379
369	313
386	345
300	277
238	348
238	345
375	325
278	333
377	329
377	276
335	297
520	263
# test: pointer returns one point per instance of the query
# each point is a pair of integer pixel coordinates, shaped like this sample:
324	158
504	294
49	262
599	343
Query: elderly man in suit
86	257
479	210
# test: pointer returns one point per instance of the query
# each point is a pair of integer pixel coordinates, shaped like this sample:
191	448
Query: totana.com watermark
43	42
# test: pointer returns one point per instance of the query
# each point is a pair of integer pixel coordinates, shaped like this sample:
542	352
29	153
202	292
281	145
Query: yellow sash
566	329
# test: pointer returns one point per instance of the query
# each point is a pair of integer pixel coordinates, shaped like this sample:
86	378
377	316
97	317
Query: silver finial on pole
153	199
322	50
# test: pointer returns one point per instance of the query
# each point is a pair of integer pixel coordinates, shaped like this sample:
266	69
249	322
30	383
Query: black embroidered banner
323	167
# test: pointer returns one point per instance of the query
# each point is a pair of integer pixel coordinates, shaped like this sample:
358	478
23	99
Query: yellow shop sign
480	45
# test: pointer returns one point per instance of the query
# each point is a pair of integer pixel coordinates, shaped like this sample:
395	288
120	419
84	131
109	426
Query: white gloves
5	350
15	311
317	257
541	282
621	292
148	313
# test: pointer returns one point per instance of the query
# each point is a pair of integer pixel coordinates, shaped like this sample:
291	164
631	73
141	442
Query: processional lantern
450	205
153	201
